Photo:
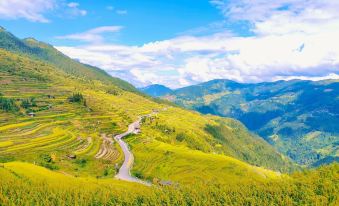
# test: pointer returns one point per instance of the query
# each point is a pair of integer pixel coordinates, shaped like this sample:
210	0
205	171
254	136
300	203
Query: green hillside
300	118
55	121
108	109
47	53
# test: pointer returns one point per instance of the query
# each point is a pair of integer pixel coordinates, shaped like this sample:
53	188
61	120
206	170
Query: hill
34	86
156	90
299	118
55	123
45	89
47	53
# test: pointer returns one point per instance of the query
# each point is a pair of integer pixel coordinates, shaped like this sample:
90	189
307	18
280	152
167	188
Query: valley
299	118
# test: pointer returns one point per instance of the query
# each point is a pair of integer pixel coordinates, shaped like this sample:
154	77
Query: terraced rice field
60	135
107	150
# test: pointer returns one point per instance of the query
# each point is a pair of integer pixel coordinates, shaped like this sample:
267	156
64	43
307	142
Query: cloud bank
32	10
36	10
291	39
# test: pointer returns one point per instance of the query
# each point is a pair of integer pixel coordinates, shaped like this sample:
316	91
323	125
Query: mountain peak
156	90
30	39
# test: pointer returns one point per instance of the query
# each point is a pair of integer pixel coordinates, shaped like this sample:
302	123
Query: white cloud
244	59
293	39
117	11
73	5
32	10
93	35
36	10
283	16
329	76
110	8
121	12
74	10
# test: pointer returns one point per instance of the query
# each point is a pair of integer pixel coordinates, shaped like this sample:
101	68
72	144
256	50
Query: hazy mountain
156	90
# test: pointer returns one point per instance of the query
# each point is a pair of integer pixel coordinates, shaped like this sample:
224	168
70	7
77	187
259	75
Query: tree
7	104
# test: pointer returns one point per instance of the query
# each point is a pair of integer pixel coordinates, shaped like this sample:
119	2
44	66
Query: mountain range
65	127
299	118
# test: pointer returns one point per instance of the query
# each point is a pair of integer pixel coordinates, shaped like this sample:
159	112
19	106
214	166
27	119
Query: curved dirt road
124	171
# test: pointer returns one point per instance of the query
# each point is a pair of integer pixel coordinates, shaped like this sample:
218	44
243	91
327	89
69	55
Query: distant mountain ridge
156	90
300	118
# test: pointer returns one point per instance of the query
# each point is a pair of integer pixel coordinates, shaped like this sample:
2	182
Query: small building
165	183
31	114
71	156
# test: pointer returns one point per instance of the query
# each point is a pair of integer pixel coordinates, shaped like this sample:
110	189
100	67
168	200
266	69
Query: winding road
124	171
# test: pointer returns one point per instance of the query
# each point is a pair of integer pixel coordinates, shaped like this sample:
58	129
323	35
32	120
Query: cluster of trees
77	98
7	104
12	105
27	103
181	137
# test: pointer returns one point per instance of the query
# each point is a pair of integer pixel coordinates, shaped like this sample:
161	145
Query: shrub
180	137
46	158
81	162
76	97
138	174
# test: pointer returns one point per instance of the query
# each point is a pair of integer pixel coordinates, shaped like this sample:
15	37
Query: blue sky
183	42
142	21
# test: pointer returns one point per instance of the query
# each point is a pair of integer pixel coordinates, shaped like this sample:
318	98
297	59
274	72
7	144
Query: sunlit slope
61	128
23	183
108	111
47	53
157	160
